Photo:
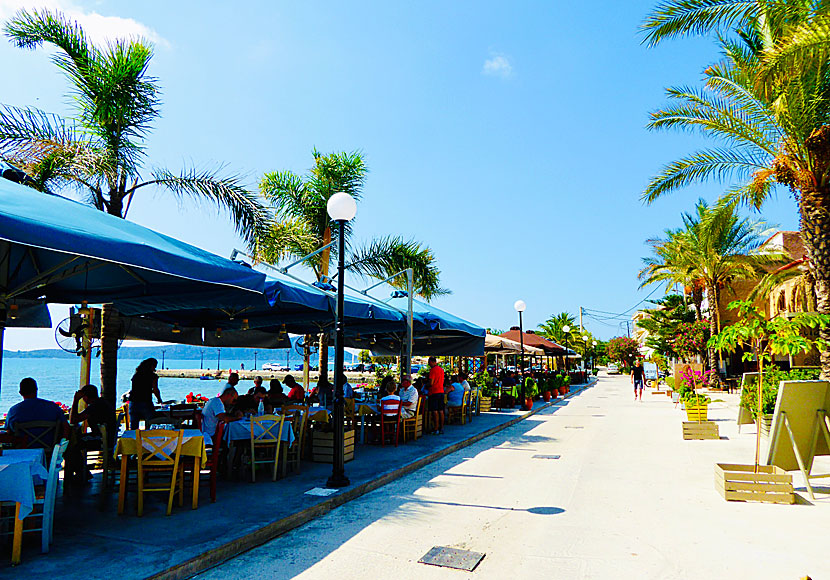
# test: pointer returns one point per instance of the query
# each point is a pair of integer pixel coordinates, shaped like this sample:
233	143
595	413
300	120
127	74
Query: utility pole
581	328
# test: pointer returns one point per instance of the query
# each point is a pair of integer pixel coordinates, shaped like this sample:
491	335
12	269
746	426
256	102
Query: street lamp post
162	359
341	208
594	355
254	360
585	338
520	307
566	329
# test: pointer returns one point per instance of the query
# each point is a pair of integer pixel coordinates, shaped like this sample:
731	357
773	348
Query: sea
59	378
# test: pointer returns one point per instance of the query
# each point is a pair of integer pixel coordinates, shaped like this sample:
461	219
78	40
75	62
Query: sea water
59	378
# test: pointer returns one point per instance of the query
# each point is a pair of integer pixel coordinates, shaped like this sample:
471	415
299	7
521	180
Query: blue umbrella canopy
286	306
57	250
435	332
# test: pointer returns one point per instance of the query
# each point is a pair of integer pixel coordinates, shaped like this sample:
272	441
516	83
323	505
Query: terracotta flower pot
529	403
547	396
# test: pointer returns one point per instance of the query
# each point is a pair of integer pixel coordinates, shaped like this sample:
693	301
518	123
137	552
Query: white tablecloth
241	430
18	470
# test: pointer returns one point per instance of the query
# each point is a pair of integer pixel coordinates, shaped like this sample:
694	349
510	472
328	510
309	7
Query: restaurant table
193	445
19	468
241	430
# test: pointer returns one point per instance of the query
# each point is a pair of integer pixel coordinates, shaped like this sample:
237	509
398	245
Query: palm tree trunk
110	327
711	290
324	337
815	231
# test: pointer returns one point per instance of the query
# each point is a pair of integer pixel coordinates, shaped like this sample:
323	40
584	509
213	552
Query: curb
216	556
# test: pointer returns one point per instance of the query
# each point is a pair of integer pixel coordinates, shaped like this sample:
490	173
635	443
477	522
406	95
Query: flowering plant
690	339
63	407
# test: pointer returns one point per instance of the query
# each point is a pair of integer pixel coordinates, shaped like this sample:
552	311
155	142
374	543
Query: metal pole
218	358
338	471
201	360
162	360
410	275
254	360
522	343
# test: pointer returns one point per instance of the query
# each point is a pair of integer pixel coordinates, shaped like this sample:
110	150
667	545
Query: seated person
390	395
409	398
246	404
215	411
462	378
324	392
275	393
296	394
32	408
97	412
261	396
348	390
455	393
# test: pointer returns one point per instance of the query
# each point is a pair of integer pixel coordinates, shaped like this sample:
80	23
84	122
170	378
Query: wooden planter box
698	413
700	430
740	483
484	404
322	448
766	425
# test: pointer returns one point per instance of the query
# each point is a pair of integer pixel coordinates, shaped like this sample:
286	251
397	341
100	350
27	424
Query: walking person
145	384
637	376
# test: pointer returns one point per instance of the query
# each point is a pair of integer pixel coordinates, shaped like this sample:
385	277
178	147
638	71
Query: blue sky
509	137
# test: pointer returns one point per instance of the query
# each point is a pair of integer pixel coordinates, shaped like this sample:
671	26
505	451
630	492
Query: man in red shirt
436	396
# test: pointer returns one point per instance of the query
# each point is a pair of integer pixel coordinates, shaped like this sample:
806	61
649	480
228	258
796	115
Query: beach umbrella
55	250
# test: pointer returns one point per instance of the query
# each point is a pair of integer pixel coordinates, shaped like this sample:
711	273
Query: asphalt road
598	487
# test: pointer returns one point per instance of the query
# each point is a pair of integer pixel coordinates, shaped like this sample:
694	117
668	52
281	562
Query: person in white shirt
214	411
409	398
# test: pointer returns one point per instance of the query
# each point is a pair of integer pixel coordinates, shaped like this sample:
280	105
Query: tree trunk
110	327
110	335
713	328
815	232
324	337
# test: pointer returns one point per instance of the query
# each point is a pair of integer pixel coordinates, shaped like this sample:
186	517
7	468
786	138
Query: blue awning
62	251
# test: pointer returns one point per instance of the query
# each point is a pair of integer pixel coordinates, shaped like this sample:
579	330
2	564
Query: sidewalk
600	488
88	532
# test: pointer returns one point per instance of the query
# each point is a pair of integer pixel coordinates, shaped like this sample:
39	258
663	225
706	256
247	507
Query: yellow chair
299	421
266	434
459	412
158	452
414	426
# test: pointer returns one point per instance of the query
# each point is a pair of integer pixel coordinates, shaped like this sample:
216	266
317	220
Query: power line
624	312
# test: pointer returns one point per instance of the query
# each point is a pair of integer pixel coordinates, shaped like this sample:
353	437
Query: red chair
214	454
390	420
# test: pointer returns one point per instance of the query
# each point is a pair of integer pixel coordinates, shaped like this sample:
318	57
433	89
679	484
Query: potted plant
529	391
764	338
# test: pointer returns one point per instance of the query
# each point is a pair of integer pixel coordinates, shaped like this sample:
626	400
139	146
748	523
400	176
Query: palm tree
552	328
302	225
100	153
669	264
767	102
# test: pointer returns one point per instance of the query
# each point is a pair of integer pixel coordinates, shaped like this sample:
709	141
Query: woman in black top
145	385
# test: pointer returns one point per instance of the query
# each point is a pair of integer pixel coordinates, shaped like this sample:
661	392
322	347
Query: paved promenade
88	532
627	498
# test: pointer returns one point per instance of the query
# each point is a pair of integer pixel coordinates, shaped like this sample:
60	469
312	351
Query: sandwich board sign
800	427
749	381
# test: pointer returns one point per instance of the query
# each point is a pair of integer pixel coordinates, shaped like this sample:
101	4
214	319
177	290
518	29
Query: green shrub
670	382
772	378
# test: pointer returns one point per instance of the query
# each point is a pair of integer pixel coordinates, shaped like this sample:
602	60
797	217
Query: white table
19	470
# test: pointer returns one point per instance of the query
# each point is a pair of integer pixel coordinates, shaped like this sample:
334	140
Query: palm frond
673	18
282	239
250	217
383	257
718	163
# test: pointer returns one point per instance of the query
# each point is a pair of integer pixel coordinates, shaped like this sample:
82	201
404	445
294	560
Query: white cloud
497	66
99	28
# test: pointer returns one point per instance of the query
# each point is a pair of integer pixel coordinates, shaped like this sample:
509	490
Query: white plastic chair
48	499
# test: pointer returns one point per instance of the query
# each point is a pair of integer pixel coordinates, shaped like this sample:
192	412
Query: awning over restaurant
494	344
530	338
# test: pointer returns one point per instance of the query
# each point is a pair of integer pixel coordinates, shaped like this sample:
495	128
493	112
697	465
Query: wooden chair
45	496
266	434
40	435
184	415
214	454
158	452
299	422
349	418
459	413
414	426
390	420
124	415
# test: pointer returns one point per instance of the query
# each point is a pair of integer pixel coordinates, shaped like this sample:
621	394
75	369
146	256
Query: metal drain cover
574	427
452	558
545	457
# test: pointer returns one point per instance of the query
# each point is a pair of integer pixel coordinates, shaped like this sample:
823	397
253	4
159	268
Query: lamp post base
338	480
